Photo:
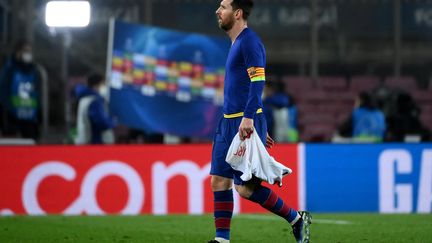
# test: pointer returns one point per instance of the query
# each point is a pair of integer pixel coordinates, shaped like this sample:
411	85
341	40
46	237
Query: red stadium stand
316	118
317	133
364	83
332	84
295	85
314	96
426	109
322	108
332	108
336	91
336	109
408	84
426	120
304	108
345	98
272	78
422	97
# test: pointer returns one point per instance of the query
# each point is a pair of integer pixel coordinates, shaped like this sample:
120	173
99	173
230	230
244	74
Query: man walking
243	87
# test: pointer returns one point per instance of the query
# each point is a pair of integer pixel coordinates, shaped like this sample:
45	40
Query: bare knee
245	191
219	183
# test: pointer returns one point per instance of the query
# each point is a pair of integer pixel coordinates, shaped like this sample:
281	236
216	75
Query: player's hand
269	141
246	128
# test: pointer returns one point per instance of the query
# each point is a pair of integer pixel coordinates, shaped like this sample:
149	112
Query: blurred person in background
243	88
280	112
366	123
94	124
20	85
404	121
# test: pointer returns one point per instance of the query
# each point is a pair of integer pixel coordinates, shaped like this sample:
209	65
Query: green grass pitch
244	228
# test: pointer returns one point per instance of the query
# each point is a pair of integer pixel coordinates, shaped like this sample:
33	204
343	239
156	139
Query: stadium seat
426	120
295	85
406	83
332	84
422	97
272	78
347	98
314	96
317	133
363	83
330	108
426	109
317	118
342	118
336	109
305	108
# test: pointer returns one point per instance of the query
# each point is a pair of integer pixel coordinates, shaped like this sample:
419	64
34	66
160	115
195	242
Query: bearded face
225	15
227	23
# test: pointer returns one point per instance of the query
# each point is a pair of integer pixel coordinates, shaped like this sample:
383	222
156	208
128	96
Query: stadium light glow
67	13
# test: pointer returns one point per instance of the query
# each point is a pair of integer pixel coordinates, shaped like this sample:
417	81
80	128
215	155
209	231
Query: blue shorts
225	132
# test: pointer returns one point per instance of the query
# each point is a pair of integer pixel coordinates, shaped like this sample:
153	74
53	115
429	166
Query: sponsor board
97	180
389	178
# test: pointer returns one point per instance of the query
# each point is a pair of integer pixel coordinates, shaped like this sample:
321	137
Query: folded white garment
251	157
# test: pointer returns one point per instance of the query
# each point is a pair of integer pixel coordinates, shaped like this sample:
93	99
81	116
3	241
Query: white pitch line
319	221
331	221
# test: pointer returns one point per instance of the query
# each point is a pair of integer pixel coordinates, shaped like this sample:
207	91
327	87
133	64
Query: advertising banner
160	179
98	180
164	81
390	178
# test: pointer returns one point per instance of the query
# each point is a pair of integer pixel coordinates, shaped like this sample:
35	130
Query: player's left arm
254	56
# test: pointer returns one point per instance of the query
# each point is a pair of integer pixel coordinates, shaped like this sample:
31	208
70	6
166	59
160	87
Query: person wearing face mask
20	94
94	124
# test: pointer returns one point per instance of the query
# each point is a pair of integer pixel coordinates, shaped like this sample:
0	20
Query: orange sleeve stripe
256	73
255	69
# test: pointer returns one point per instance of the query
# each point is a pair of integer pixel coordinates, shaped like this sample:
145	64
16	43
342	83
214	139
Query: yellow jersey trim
240	114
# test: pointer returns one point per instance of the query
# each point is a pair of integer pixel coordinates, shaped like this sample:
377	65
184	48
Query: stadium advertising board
97	180
165	81
158	179
369	178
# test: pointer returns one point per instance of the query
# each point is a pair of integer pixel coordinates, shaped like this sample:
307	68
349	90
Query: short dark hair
94	80
19	45
367	101
245	5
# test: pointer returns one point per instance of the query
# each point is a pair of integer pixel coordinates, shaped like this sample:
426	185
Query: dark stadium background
376	41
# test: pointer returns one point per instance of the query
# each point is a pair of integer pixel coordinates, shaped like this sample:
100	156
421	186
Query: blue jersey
19	90
368	123
244	75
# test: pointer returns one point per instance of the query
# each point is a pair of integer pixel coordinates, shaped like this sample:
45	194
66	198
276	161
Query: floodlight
67	13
